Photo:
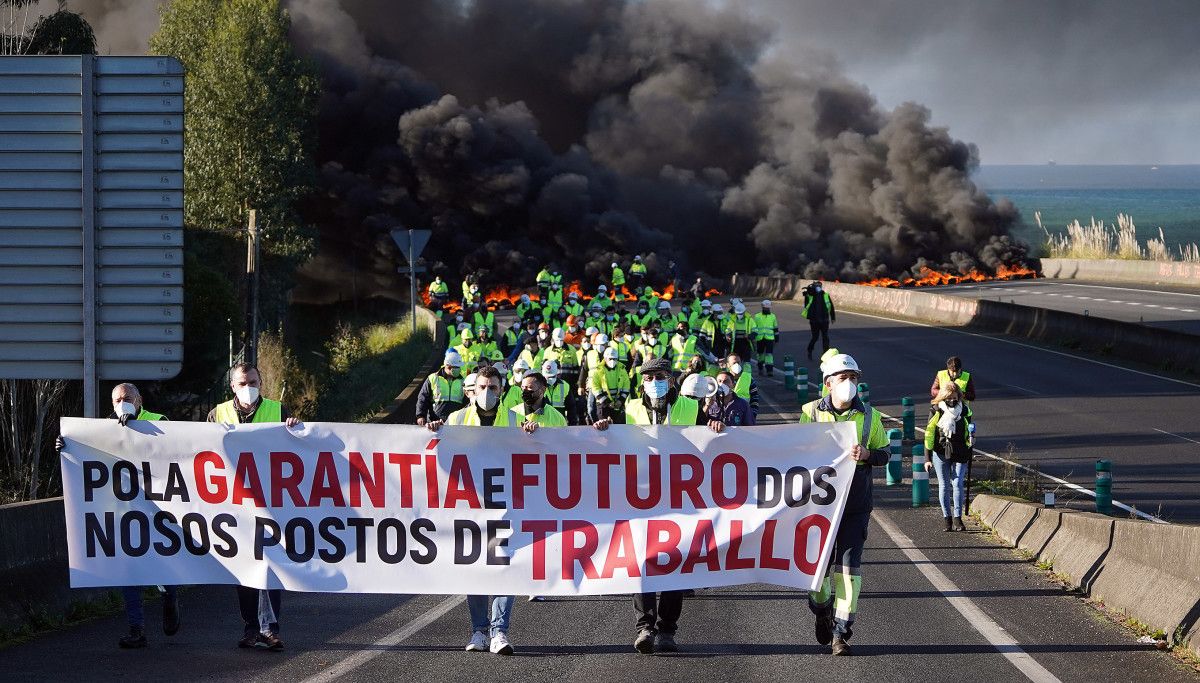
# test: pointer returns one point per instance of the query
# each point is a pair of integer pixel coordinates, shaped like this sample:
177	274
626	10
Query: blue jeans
500	613
133	603
951	477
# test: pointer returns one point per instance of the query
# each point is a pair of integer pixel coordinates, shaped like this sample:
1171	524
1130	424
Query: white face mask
558	343
844	391
610	362
542	334
518	375
126	408
586	345
652	341
488	399
551	379
656	389
724	390
247	395
735	368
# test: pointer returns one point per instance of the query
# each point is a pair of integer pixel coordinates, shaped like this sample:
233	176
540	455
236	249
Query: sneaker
135	639
949	524
665	642
500	644
824	627
958	524
840	647
171	618
270	641
644	643
479	642
248	640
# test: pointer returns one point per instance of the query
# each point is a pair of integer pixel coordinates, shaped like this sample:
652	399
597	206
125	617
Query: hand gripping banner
397	509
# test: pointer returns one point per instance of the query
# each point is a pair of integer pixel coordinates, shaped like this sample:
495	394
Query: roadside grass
1119	240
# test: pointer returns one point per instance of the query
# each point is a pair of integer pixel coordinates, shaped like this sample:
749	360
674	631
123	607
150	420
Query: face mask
724	389
454	372
551	379
817	288
845	391
247	395
681	333
586	345
542	334
467	343
656	389
735	368
518	376
611	363
641	311
611	316
652	341
126	408
458	318
558	343
487	400
529	396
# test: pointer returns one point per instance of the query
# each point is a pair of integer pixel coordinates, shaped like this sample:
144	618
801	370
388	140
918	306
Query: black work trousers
248	604
658	611
819	328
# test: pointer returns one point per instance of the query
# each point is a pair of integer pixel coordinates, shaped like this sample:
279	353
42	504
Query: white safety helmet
602	340
839	363
469	382
637	258
718	308
550	368
614	265
706	304
520	366
611	353
766	303
501	367
558	334
664	305
590	332
739	308
452	359
698	386
602	288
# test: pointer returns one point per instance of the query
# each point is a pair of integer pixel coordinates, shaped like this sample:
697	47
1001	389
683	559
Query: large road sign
91	218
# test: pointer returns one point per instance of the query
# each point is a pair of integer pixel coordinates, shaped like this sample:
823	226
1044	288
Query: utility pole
253	252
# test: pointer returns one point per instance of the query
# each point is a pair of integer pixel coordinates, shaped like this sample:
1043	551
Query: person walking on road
259	608
948	441
442	392
955	374
835	605
818	308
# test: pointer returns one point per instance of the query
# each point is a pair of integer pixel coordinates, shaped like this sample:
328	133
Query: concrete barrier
402	409
1131	341
1149	571
1172	273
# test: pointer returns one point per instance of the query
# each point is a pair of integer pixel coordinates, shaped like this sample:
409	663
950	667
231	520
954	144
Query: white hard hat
839	363
735	300
705	304
501	367
739	308
589	332
665	304
469	382
520	365
698	386
602	288
602	340
558	334
614	265
611	353
637	258
718	308
452	359
766	303
550	367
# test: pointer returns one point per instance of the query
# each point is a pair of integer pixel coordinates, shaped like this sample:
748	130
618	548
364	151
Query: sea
1166	197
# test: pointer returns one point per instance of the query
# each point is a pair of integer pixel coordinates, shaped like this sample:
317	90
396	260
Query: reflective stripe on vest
267	411
828	305
443	390
866	417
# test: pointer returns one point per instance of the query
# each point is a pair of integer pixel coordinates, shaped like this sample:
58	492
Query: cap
452	359
839	363
524	298
655	365
637	258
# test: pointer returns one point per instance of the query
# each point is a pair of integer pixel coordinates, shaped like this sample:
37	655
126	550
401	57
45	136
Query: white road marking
1169	308
1056	283
391	640
1029	346
1177	436
1150	305
1028	391
994	633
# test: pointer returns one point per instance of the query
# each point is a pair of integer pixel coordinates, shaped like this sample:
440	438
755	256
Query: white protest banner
398	509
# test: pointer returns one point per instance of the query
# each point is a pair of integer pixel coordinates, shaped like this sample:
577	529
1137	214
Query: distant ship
1153	168
1051	163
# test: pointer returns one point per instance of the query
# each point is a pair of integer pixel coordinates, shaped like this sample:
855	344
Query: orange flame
711	293
934	278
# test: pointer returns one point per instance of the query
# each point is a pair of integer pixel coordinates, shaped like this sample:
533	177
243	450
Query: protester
743	383
955	374
442	392
726	407
818	308
836	606
259	609
947	440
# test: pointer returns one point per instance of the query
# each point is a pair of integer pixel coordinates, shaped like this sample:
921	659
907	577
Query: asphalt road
1041	407
933	604
1150	305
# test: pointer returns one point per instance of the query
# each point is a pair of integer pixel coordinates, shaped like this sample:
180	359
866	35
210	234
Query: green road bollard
910	419
789	373
1104	487
920	478
802	386
895	471
864	391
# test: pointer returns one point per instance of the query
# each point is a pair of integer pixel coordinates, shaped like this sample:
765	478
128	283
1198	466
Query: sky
1028	81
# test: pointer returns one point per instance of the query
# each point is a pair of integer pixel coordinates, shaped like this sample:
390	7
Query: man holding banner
835	608
259	609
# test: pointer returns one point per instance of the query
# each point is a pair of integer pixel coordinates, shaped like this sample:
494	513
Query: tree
61	33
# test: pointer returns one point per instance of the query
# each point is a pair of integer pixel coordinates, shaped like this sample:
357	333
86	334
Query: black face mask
530	396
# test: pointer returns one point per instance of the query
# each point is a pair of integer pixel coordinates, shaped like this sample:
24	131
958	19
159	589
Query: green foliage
284	379
369	367
61	33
